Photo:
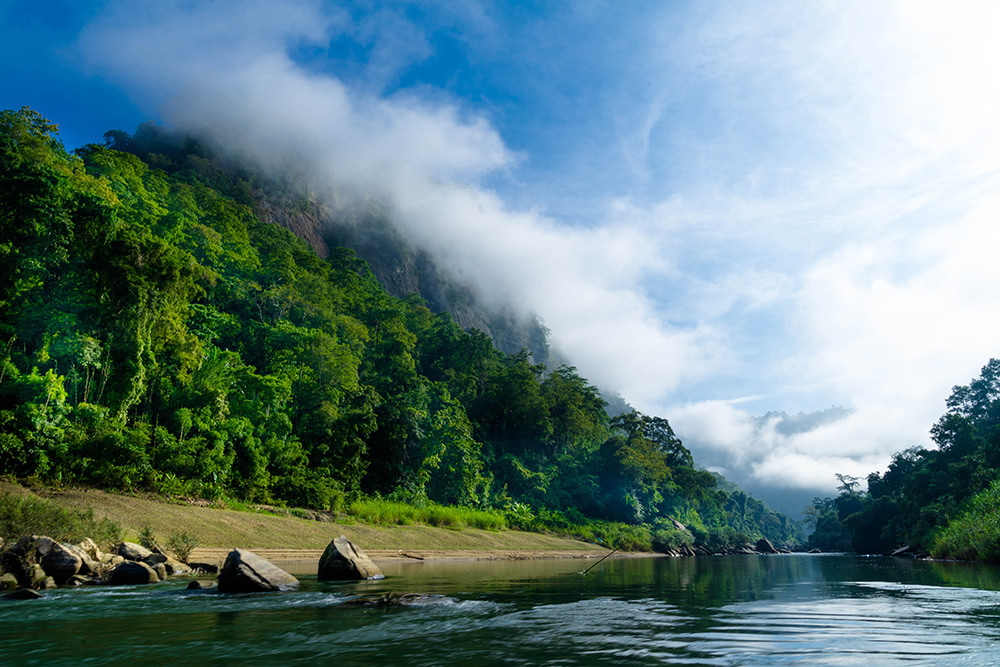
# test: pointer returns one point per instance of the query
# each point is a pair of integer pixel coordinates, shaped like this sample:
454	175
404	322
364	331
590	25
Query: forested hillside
324	222
945	501
156	334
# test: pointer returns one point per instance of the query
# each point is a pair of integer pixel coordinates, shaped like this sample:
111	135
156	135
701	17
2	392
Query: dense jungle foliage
156	335
944	501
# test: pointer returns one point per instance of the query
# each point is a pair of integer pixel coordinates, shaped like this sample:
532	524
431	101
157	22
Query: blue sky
719	209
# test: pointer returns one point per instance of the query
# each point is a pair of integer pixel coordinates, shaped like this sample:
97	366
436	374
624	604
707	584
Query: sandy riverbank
291	538
216	556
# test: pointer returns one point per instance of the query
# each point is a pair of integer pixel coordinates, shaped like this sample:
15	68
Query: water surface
723	610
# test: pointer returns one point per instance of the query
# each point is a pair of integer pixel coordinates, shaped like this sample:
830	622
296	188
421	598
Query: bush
975	534
384	512
30	515
146	537
182	544
667	537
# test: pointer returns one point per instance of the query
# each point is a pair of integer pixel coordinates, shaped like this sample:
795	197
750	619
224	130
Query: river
723	610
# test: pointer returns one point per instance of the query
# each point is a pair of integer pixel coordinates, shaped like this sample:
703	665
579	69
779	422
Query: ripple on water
873	623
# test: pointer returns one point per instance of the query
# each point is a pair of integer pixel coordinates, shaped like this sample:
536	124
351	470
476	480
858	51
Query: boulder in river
765	547
246	572
131	573
342	560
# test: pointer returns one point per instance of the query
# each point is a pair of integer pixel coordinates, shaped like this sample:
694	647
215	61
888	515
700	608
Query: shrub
975	534
382	512
667	537
146	536
182	544
30	515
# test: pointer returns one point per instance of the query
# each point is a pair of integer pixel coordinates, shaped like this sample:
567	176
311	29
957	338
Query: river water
722	610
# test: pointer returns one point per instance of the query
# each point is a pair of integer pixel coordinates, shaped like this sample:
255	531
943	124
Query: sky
720	210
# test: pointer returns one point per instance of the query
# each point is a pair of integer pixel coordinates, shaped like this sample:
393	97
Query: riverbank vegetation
25	514
156	336
941	501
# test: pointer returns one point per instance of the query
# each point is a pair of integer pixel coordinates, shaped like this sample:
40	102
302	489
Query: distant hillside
364	228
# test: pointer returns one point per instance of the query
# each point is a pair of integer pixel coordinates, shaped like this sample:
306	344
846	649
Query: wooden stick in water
600	561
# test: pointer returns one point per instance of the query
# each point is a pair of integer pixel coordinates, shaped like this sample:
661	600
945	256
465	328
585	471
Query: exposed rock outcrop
246	572
764	546
342	560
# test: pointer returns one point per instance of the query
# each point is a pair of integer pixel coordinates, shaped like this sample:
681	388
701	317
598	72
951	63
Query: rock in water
246	572
765	547
201	585
133	572
23	594
344	561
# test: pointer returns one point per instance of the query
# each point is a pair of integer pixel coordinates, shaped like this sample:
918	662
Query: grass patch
974	534
25	514
381	512
609	534
215	527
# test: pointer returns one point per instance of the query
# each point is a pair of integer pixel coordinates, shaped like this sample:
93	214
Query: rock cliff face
402	269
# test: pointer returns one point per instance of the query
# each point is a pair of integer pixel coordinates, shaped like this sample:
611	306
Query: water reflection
719	610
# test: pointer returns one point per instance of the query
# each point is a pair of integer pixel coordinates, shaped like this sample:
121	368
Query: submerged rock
23	594
395	599
342	560
246	572
197	585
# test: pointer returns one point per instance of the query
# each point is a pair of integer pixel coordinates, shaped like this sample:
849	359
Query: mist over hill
346	218
739	452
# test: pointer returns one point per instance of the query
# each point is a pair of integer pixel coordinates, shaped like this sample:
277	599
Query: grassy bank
974	534
226	528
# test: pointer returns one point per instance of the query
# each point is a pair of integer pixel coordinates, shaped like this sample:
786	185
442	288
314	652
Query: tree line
942	501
